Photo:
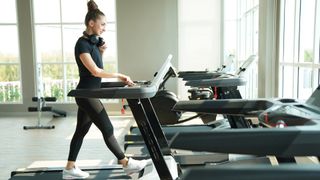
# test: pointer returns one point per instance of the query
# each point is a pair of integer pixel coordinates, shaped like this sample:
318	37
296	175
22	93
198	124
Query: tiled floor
49	148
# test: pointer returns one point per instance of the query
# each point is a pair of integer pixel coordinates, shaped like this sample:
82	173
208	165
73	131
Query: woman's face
98	26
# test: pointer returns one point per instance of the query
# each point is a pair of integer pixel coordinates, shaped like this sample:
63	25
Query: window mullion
64	81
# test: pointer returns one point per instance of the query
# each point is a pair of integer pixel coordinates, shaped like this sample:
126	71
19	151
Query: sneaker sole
74	177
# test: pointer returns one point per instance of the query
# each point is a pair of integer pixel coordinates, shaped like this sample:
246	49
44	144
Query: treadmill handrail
238	107
223	81
197	75
284	142
134	92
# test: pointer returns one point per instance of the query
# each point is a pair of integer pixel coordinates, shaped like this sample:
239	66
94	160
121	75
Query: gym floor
49	148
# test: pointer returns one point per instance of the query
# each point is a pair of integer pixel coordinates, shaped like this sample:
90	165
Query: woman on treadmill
88	54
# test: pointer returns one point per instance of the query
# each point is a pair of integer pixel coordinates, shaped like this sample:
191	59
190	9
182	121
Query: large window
57	25
10	81
240	39
199	37
299	48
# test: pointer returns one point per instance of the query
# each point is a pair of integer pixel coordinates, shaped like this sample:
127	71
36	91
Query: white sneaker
74	173
135	166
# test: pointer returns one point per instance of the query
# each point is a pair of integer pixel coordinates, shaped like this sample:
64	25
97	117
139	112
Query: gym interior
227	89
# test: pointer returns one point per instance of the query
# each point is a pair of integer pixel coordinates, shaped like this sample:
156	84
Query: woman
88	54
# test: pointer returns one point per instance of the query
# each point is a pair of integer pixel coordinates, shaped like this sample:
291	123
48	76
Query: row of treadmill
256	139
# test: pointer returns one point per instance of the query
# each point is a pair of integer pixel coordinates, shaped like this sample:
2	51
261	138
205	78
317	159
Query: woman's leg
98	115
95	112
82	128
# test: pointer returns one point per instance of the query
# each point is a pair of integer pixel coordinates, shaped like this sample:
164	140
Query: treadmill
292	129
138	97
164	166
227	90
225	87
198	75
136	148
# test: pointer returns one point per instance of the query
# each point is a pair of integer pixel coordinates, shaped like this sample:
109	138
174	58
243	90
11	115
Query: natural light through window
58	24
299	48
10	80
240	33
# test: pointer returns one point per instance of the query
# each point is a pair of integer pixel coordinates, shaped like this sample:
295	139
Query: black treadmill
293	129
137	149
225	86
138	97
198	75
164	166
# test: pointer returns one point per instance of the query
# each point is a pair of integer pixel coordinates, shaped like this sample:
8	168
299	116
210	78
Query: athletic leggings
92	111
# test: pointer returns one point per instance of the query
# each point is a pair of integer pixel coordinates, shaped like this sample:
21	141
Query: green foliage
10	93
52	71
9	73
52	76
57	92
308	55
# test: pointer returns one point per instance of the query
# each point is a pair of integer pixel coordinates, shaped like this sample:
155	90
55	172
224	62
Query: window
199	37
240	39
57	25
10	79
299	48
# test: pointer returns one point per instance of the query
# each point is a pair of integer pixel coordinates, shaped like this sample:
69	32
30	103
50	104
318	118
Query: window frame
17	63
246	11
65	62
295	63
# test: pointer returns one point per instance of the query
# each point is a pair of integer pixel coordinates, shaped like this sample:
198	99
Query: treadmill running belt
57	174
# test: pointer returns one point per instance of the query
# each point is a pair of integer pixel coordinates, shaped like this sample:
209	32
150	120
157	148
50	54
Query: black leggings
92	111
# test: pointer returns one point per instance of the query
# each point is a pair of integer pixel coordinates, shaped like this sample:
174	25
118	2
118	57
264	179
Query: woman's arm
88	62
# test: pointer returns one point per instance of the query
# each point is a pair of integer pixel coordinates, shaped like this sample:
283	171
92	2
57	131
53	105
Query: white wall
199	36
147	31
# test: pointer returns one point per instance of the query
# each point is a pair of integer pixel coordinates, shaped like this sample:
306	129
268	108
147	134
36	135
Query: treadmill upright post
156	126
143	122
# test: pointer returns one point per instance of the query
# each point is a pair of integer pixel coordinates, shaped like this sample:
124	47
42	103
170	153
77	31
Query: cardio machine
138	97
224	86
289	128
164	100
138	150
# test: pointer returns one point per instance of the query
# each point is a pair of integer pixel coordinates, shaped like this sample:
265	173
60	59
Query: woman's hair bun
92	6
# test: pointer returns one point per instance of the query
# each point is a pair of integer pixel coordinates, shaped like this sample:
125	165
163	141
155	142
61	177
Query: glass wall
240	40
199	37
10	75
299	48
58	24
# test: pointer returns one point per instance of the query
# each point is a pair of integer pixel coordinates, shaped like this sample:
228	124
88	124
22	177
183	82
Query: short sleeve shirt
87	80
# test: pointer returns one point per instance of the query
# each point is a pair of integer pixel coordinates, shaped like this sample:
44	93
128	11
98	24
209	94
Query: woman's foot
135	166
74	173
